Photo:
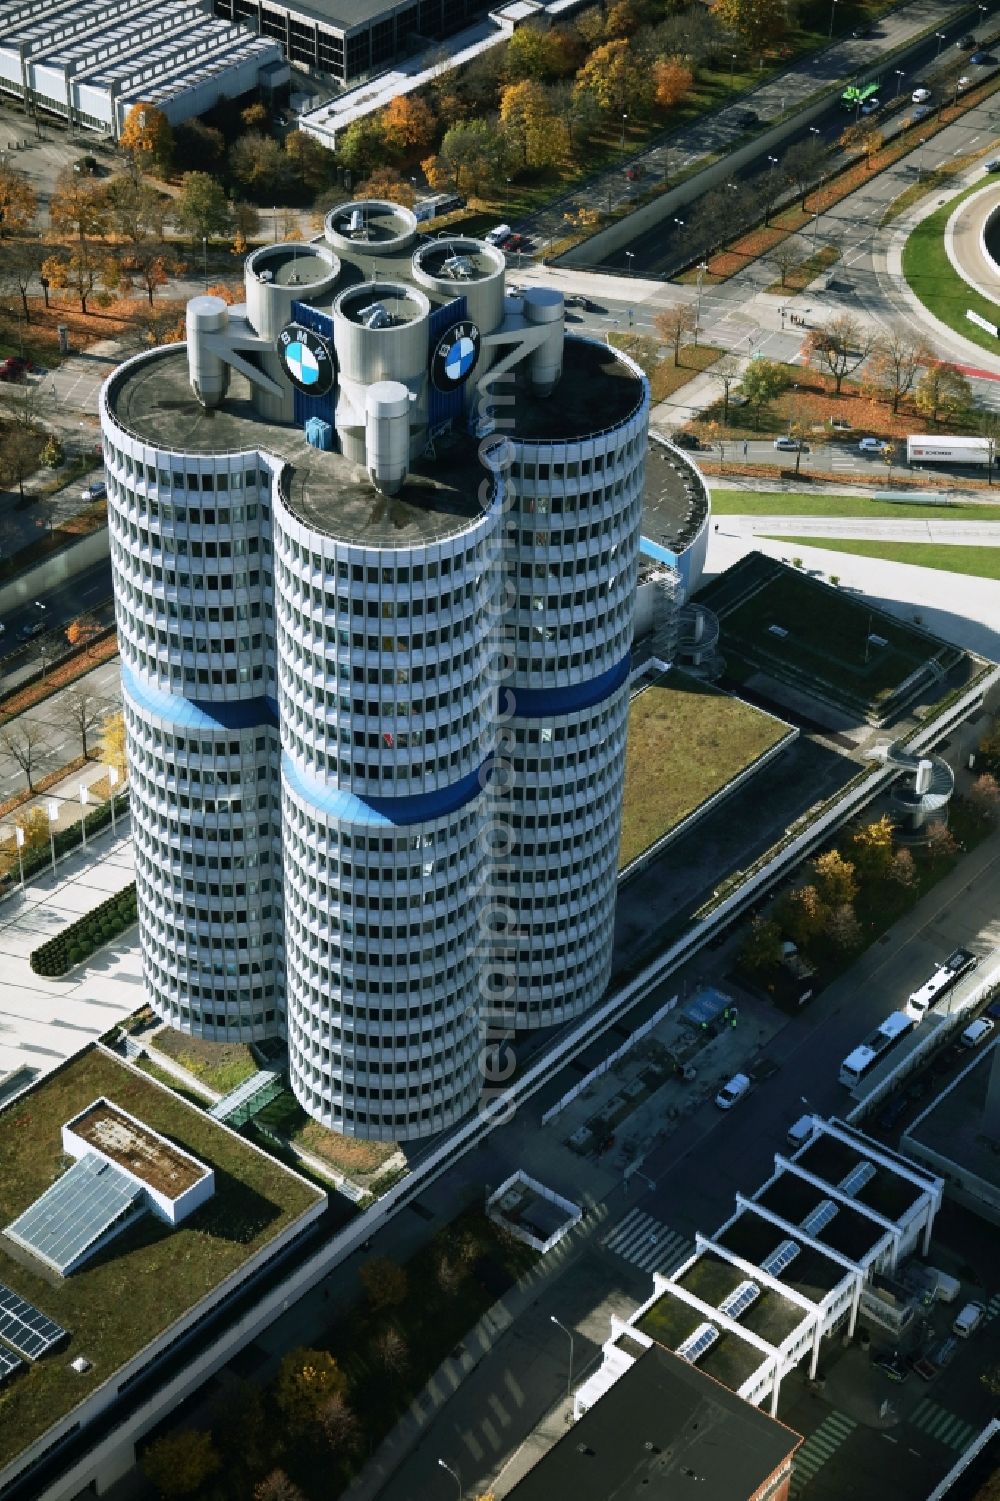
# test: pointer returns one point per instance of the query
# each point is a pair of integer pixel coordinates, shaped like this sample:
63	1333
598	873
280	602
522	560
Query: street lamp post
702	268
814	224
53	818
84	800
569	1335
940	39
19	841
624	119
833	12
112	784
454	1475
900	75
629	258
732	67
767	197
204	258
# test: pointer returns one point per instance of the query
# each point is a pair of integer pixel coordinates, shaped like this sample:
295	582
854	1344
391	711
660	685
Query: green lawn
685	741
150	1275
780	503
220	1065
979	562
934	280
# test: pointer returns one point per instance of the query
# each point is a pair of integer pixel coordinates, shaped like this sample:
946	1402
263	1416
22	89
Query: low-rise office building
90	62
785	1272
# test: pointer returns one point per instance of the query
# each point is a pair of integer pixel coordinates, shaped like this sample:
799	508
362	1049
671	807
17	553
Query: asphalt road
657	252
60	738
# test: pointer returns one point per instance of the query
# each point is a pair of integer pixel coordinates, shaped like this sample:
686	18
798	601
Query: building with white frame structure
786	1271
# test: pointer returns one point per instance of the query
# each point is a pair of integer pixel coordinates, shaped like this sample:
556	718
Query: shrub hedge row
88	933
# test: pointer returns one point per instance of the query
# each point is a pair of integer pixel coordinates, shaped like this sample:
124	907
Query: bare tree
277	1487
85	712
728	371
785	257
19	451
340	1425
674	324
391	1350
24	741
841	345
803	165
896	359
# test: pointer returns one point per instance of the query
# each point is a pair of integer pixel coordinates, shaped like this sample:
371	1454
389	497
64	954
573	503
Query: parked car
13	367
863	32
944	1353
87	166
871	106
514	242
920	95
925	1368
993	165
687	440
95	490
977	1032
576	299
747	119
993	1009
33	628
968	1320
967	42
785	442
872	445
891	1365
891	1112
921	112
963	83
980	59
2	627
634	172
498	235
732	1092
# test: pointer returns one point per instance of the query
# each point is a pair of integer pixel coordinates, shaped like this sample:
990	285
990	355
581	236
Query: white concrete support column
776	1388
852	1322
814	1358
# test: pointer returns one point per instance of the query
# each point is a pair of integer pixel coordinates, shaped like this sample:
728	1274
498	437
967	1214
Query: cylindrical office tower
576	478
334	513
387	701
190	545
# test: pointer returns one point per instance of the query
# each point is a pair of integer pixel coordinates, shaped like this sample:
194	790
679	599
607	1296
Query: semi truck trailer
927	449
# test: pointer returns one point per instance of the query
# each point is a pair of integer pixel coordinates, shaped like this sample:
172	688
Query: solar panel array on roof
9	1363
22	1325
91	1198
781	1258
817	1219
860	1174
696	1344
740	1299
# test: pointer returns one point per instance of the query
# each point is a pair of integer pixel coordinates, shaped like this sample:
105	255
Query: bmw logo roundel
307	359
455	357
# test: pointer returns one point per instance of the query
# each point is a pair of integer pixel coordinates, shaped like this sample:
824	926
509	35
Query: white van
498	235
969	1320
800	1131
976	1032
730	1094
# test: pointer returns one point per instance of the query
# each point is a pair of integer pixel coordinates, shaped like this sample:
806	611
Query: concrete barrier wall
95	547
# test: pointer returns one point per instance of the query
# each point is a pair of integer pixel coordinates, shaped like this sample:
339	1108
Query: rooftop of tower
675	499
152	399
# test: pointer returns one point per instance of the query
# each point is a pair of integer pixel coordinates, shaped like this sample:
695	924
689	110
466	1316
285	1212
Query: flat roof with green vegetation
887	1193
950	557
787	503
686	741
798	630
150	1274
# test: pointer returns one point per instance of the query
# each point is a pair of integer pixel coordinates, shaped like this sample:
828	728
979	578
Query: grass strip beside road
932	278
975	562
782	503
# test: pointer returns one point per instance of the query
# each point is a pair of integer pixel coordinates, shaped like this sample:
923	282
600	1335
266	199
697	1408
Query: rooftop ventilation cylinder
387	434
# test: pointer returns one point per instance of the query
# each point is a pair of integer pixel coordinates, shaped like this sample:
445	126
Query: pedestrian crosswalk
940	1424
648	1243
993	1307
818	1448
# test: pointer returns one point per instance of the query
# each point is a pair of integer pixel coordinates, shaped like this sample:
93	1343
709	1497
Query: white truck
928	449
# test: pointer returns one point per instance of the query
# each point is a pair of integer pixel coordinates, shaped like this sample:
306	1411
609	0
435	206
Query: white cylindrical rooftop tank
387	434
209	375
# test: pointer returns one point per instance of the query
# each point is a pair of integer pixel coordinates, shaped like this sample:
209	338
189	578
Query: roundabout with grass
947	264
